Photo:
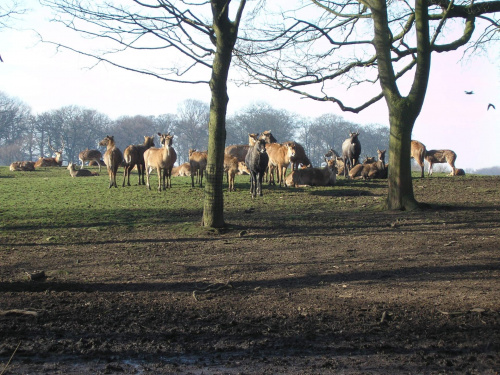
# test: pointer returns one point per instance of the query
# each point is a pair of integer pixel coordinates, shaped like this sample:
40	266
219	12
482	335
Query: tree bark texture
225	38
403	111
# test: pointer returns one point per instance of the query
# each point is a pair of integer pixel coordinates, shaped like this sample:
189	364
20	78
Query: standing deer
51	162
134	155
113	157
90	155
163	159
418	152
257	161
198	163
441	156
240	151
351	149
279	156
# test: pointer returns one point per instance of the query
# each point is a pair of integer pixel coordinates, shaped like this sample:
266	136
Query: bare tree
14	129
191	128
363	42
182	38
259	117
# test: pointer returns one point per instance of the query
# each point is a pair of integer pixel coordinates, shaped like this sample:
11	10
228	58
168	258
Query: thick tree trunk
225	38
400	193
213	208
403	111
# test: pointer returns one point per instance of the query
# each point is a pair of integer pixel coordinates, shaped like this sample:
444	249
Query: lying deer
325	176
113	158
22	166
80	172
51	162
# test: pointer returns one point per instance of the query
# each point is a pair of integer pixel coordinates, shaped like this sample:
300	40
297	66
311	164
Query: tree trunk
225	37
403	111
400	193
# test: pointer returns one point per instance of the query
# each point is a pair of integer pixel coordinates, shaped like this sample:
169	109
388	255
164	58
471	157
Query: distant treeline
25	136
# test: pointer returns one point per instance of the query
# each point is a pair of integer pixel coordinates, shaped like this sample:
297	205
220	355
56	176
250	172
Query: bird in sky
490	106
469	92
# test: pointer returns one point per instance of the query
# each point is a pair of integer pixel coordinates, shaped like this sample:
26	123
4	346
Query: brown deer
198	162
240	151
182	170
134	155
113	157
379	168
279	157
51	162
326	176
22	166
441	156
89	156
418	152
231	167
80	172
161	159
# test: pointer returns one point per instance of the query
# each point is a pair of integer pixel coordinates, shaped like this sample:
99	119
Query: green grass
49	202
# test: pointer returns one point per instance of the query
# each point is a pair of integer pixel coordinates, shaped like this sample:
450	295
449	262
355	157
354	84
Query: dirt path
370	293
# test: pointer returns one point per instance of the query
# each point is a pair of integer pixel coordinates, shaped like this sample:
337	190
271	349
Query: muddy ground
357	292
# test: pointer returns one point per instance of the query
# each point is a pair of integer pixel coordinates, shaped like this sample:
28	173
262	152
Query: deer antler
53	149
50	146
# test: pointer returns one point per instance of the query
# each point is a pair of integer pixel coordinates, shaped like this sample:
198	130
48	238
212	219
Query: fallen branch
209	288
10	359
17	312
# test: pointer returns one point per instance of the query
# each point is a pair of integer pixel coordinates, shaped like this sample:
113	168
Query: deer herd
261	158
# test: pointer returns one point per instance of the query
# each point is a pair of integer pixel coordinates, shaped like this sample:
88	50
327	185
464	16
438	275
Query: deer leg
124	175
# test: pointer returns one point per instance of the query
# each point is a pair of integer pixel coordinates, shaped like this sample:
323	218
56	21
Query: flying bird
1	59
469	92
490	106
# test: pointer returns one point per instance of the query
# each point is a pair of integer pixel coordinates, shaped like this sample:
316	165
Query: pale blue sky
45	80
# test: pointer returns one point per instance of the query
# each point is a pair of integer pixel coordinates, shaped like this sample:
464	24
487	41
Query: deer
339	162
240	151
134	155
279	157
198	163
22	166
326	176
231	167
418	153
80	172
441	156
89	156
299	157
257	161
377	169
351	149
182	170
51	162
113	157
162	159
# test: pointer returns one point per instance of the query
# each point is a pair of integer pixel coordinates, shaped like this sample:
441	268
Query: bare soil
358	291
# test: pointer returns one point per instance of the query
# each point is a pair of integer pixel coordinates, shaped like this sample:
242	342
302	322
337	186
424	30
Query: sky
46	80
